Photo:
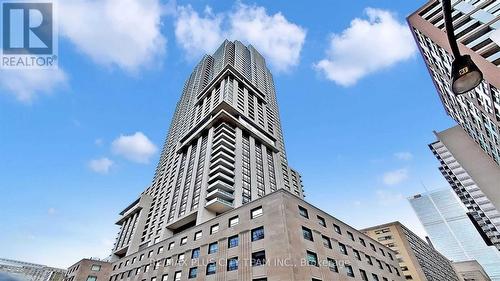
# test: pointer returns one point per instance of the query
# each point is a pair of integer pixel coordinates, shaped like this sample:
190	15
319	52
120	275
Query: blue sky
77	145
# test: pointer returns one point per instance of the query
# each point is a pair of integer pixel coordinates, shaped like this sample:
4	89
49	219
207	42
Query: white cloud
26	84
198	34
279	40
101	165
136	147
123	33
367	46
389	198
405	156
395	177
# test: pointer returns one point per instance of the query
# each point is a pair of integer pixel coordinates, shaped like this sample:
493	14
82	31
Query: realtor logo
28	35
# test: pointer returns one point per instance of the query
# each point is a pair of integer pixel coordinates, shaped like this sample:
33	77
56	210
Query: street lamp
465	75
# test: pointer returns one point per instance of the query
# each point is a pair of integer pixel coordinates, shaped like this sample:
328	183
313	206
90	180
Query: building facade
417	259
276	237
475	179
471	271
224	149
451	231
26	271
476	23
89	270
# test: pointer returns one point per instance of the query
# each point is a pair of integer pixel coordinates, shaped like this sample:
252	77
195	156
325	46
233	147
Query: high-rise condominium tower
477	25
475	179
224	149
452	233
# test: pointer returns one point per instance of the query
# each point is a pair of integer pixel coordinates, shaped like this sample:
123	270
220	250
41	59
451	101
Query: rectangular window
259	258
258	234
232	264
193	272
171	245
369	259
307	233
150	254
356	253
373	247
343	248
337	229
211	268
232	241
214	229
234	221
146	268
164	277
349	270
197	235
382	251
255	213
364	277
380	264
195	253
184	240
96	267
326	242
92	278
160	250
153	278
134	259
312	258
390	256
213	248
303	212
168	261
178	276
180	258
362	241
137	271
375	277
350	235
321	221
332	265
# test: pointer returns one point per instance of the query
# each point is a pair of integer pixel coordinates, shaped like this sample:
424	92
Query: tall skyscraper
476	23
451	231
224	149
418	260
224	203
475	179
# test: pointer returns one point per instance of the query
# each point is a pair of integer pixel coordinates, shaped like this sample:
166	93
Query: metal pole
450	30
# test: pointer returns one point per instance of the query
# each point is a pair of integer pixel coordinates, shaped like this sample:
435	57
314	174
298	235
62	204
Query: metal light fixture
465	75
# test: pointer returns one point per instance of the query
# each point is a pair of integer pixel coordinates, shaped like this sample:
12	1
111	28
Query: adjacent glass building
451	231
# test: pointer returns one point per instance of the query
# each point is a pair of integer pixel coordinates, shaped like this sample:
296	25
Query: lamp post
465	75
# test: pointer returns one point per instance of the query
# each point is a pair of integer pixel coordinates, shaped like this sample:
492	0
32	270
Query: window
380	264
126	263
197	235
312	258
255	213
307	233
356	253
195	253
303	212
150	254
364	277
385	279
153	278
350	235
146	268
211	268
234	221
390	256
137	271
316	279
232	264
180	258
164	277
388	267
349	270
332	265
259	258
193	272
375	277
232	241
134	259
168	261
258	234
321	221
337	229
326	242
160	250
343	249
369	259
171	245
373	247
184	240
260	279
96	267
214	228
382	251
213	248
362	241
157	265
178	276
92	278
